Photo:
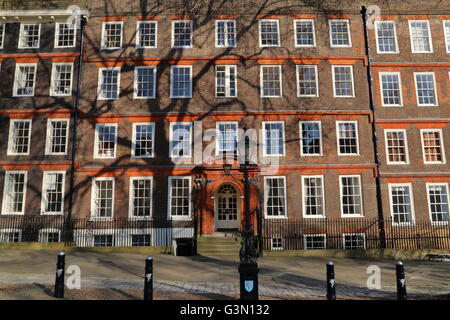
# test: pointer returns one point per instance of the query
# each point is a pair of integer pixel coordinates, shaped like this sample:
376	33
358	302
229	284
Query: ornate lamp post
248	255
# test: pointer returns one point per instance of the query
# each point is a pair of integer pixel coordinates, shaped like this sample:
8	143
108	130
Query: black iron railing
92	232
352	233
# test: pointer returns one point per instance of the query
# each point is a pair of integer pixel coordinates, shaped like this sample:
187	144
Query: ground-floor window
10	235
401	203
277	243
105	240
313	196
315	241
438	202
49	235
141	197
275	196
102	197
140	240
179	197
354	241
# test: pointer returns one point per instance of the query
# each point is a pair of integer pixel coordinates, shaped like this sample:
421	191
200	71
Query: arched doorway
227	208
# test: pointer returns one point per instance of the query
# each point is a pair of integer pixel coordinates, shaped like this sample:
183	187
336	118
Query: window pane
438	200
182	33
396	146
351	196
386	36
276	197
271	81
181	82
147	34
311	138
313	196
305	33
274	138
269	33
339	33
348	138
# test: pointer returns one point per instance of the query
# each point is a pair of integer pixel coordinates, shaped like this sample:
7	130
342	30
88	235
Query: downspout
382	233
75	119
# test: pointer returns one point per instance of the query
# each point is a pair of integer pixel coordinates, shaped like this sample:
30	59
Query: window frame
227	80
191	35
226	33
43	234
103	34
357	138
2	36
96	140
430	38
131	216
398	74
135	82
218	151
386	131
260	34
323	235
133	142
362	234
397	49
21	35
44	199
446	35
171	81
436	104
10	152
261	74
301	138
15	84
441	139
49	135
52	81
9	231
333	67
169	203
57	34
101	80
313	33
430	184
391	203
276	248
138	34
303	194
347	21
361	194
265	154
25	183
94	217
172	124
266	197
314	66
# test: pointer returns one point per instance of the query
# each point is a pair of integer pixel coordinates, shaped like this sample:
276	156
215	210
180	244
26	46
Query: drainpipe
382	233
75	119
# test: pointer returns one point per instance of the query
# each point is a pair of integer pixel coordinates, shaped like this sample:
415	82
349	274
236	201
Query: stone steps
218	246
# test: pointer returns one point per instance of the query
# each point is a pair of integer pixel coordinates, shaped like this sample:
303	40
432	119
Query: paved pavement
280	277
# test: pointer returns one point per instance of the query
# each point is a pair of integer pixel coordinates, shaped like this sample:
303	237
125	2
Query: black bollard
148	279
59	280
248	274
331	283
401	281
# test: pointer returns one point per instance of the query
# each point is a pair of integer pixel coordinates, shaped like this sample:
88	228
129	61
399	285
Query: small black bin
184	247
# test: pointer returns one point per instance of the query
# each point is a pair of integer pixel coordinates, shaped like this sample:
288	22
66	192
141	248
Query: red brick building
336	110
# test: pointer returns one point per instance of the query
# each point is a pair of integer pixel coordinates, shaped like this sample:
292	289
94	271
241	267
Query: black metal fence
281	234
90	233
353	233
